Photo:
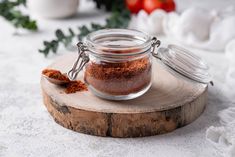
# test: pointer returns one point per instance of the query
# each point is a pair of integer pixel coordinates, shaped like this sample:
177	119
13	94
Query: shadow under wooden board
169	104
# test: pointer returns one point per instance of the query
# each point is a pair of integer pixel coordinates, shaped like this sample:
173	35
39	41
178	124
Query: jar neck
117	42
119	56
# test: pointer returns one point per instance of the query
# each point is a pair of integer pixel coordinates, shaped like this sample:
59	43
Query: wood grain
169	104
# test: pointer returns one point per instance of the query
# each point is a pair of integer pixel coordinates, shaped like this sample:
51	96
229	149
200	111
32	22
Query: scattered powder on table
75	86
70	86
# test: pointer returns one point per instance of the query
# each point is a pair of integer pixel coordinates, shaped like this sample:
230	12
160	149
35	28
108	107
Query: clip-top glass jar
118	63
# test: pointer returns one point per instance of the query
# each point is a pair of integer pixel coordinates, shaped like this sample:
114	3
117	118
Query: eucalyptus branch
61	37
9	12
116	20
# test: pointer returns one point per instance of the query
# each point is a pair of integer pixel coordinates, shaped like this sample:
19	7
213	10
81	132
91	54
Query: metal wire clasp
155	42
80	62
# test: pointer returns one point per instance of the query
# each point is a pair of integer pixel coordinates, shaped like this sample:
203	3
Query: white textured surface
27	130
223	137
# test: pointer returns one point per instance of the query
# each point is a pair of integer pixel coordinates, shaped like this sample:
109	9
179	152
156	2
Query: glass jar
120	66
118	63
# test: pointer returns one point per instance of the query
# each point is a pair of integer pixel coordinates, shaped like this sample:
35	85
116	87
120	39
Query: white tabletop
27	129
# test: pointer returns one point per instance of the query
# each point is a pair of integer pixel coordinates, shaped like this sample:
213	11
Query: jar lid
181	61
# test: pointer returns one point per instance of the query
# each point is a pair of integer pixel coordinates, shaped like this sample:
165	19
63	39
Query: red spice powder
55	74
70	86
75	86
119	78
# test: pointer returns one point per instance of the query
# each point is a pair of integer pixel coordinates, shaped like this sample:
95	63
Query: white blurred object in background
192	24
153	23
53	8
210	30
197	27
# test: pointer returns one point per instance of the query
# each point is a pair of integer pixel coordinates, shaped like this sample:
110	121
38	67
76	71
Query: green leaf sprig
9	11
61	37
118	19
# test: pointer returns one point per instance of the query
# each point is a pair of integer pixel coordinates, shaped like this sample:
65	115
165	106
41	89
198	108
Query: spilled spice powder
70	86
75	86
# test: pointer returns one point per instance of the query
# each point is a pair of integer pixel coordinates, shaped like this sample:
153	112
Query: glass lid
181	61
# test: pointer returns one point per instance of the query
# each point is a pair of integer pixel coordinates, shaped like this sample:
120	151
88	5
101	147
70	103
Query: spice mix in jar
118	63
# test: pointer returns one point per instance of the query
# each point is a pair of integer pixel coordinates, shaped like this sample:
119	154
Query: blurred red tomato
134	5
151	5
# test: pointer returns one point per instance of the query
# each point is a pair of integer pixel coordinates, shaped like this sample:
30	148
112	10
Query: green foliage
61	37
116	20
110	5
10	13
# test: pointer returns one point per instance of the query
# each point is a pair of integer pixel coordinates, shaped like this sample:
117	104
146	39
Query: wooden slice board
169	104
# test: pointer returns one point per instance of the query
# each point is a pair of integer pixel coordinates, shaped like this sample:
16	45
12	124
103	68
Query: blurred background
194	23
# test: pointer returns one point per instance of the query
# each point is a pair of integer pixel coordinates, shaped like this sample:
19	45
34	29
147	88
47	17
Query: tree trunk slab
169	104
